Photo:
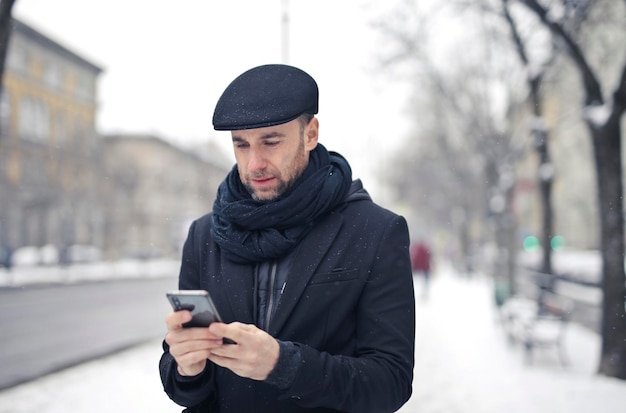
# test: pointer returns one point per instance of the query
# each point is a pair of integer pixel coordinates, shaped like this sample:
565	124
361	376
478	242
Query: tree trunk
6	6
606	140
545	177
540	133
607	151
5	31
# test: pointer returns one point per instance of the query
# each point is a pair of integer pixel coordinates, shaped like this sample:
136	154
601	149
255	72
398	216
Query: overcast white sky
166	63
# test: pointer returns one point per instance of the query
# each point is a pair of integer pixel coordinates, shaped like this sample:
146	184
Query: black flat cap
265	96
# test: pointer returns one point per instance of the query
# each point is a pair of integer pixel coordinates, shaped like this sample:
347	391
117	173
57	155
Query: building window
4	172
92	137
79	134
60	129
34	172
34	120
5	112
53	76
84	87
17	58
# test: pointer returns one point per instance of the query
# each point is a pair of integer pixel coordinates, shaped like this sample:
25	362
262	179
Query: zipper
270	302
255	297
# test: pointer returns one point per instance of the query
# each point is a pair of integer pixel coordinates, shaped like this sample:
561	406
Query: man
312	279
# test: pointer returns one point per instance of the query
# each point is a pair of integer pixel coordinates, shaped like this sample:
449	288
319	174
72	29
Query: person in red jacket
421	257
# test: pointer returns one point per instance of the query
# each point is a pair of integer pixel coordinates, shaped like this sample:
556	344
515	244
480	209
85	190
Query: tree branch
517	39
592	86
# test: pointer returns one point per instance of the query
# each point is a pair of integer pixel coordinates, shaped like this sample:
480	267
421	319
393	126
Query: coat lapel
308	257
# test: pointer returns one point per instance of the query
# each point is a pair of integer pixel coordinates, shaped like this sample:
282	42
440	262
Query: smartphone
203	311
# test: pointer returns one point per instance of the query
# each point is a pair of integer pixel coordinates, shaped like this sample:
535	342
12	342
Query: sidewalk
88	272
463	365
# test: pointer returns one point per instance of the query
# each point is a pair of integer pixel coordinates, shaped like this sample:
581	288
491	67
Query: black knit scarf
253	231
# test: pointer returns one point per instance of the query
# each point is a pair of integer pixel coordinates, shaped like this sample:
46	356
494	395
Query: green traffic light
531	243
557	242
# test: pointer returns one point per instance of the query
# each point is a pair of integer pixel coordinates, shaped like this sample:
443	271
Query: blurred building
48	145
80	195
152	190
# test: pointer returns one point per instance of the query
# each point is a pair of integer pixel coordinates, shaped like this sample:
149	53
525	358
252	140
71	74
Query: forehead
282	130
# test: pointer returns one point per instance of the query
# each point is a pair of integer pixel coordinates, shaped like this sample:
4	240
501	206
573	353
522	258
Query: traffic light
531	243
557	242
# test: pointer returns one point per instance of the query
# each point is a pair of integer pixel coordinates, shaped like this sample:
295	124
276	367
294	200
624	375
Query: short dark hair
304	120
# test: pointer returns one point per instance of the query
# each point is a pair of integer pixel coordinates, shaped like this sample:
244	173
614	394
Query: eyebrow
273	135
270	135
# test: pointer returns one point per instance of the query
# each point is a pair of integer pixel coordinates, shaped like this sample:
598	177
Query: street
463	364
49	327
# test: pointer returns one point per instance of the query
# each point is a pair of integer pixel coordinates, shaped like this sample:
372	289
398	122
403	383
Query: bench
537	323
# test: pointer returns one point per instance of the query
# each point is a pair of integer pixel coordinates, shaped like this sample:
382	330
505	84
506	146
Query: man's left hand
254	356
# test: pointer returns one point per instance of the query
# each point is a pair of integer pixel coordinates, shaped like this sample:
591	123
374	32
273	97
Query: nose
256	161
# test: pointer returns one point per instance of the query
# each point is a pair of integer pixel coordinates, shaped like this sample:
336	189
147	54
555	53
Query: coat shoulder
368	209
201	226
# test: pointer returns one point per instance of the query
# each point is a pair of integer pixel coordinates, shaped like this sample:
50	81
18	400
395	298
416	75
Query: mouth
262	181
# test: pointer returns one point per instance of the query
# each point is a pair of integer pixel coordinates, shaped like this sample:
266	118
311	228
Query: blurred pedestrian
421	257
312	279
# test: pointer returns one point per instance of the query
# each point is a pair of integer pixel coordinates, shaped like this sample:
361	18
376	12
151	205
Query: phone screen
203	311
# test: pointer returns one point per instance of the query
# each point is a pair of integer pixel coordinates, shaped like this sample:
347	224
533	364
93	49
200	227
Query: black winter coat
348	304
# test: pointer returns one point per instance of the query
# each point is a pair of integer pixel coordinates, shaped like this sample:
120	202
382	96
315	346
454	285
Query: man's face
270	159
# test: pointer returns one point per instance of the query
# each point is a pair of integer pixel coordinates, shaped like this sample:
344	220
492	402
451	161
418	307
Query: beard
284	180
268	194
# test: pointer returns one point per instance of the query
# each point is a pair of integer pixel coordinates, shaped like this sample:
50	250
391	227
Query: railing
585	295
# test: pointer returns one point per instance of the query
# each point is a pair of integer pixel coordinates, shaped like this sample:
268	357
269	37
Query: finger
247	361
176	319
255	354
192	363
235	331
191	355
228	361
183	348
179	335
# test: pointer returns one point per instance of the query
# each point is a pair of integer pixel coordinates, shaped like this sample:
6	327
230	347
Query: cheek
241	160
295	167
241	168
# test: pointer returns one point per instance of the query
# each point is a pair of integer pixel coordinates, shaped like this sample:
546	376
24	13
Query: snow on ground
126	382
464	364
88	272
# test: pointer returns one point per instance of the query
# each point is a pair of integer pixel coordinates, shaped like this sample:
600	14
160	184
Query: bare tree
471	102
536	73
435	176
603	116
602	113
6	7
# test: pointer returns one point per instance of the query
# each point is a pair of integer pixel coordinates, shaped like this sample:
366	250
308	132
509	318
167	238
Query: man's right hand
190	347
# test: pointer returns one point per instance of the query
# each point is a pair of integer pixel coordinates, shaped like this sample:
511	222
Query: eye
240	145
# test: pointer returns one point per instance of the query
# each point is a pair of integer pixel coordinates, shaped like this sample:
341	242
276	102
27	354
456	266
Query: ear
311	134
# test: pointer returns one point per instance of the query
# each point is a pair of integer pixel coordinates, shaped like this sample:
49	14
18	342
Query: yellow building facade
48	144
65	188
